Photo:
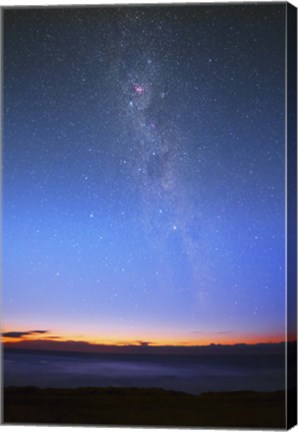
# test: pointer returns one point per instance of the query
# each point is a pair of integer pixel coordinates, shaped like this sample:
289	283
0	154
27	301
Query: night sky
144	167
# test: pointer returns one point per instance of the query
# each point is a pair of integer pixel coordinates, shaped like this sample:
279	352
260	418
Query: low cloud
144	343
141	347
19	334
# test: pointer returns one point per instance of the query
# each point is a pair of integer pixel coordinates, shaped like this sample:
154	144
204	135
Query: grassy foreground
143	407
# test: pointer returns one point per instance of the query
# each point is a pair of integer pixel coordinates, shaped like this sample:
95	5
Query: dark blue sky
144	167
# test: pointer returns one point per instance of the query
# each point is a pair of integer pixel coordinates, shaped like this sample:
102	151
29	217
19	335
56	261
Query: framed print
150	215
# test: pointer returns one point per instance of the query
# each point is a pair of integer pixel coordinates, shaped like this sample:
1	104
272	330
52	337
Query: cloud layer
19	334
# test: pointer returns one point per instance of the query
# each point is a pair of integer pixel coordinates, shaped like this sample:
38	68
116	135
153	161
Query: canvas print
149	215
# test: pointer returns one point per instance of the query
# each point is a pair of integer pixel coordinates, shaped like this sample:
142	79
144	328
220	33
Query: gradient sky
144	166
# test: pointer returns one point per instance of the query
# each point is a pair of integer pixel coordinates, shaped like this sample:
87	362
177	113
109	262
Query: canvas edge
291	213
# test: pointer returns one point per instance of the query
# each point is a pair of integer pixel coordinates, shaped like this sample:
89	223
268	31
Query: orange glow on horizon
135	340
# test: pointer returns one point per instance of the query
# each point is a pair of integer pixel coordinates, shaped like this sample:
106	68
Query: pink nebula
139	89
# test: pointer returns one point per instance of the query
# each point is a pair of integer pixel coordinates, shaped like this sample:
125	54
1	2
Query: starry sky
144	166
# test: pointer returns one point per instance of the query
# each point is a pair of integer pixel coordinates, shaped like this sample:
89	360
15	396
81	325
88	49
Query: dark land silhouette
143	407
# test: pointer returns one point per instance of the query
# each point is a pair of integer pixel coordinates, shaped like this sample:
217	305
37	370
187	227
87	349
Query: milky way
144	170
